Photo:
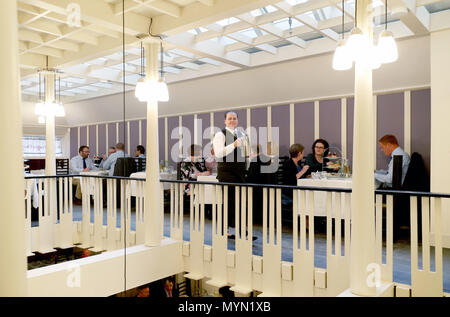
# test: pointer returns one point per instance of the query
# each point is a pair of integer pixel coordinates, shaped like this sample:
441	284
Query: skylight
224	40
283	24
253	32
295	2
262	11
229	21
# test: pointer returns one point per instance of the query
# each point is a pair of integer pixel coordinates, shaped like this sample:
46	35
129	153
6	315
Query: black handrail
324	189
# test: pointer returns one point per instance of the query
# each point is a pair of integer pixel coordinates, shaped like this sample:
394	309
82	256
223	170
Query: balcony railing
289	258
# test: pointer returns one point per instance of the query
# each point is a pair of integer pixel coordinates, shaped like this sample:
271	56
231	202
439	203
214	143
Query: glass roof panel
263	11
295	2
253	32
228	21
283	24
223	40
438	6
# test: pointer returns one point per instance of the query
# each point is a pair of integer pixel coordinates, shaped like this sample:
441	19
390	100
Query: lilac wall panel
83	136
350	120
73	142
188	133
173	124
102	139
390	120
144	133
304	125
93	140
203	128
280	120
330	123
258	120
112	134
134	136
161	139
122	137
421	124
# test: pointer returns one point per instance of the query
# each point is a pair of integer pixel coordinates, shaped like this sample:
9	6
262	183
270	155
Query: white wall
308	78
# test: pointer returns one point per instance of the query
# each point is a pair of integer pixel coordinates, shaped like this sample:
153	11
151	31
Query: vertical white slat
128	137
272	216
347	224
264	215
215	229
196	141
316	119
311	220
438	237
378	229
211	119
407	121
375	120
175	216
426	234
78	138
413	215
303	220
291	123
278	218
295	219
337	224
390	235
343	128
225	209
166	139
202	210
181	213
269	126
249	123
140	131
181	136
243	212
87	135
161	210
29	183
329	196
172	210
106	139
192	211
237	203
96	139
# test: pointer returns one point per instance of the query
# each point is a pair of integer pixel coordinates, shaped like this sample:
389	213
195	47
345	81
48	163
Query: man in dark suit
230	154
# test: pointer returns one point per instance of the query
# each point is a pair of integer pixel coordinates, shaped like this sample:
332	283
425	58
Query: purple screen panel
134	136
83	136
93	140
421	124
280	120
330	123
73	142
102	139
304	125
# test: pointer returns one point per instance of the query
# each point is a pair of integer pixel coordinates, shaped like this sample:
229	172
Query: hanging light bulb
161	91
342	59
356	44
387	48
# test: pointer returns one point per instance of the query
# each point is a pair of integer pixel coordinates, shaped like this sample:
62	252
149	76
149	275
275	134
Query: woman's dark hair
325	144
294	149
141	149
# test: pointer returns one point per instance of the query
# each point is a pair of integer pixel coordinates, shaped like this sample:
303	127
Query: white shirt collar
231	130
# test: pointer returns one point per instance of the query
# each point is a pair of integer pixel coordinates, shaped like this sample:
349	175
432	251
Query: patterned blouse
188	170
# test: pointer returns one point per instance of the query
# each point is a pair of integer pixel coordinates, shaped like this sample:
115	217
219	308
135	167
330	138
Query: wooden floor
402	256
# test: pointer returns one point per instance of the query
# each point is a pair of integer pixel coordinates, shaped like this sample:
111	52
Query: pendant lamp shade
387	48
356	44
342	59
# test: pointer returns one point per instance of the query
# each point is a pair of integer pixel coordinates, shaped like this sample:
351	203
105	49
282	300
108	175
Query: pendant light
357	42
387	48
342	59
153	90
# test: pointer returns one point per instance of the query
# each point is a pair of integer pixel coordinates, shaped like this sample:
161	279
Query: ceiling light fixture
387	48
45	108
152	90
341	58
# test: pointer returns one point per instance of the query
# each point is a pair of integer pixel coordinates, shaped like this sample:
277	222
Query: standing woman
316	159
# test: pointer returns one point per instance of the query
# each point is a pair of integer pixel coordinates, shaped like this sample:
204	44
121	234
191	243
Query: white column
50	163
12	249
152	212
440	128
363	231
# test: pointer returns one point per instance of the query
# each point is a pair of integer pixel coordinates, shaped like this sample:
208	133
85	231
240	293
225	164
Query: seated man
389	146
81	163
111	150
140	151
110	163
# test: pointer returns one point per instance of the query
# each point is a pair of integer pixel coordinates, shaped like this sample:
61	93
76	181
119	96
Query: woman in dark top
193	167
292	169
316	158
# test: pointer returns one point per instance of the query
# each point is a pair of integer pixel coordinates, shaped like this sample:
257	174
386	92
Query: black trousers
233	173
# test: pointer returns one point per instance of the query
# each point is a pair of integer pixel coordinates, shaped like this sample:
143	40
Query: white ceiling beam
307	20
268	48
65	45
46	51
208	3
189	65
32	61
30	36
416	19
297	41
186	42
164	6
44	27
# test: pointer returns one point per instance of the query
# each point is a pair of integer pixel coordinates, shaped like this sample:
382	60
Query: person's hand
86	170
303	171
237	143
104	156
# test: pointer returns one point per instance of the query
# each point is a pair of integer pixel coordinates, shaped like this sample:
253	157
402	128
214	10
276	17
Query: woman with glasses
316	159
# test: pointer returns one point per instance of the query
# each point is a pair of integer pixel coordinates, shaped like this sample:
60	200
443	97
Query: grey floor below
402	251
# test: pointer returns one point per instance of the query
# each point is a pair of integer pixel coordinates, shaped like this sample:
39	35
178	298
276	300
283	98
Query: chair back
397	172
140	164
417	178
125	166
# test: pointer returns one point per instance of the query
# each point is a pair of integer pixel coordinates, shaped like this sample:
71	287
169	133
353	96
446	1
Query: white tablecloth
91	180
163	175
320	202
